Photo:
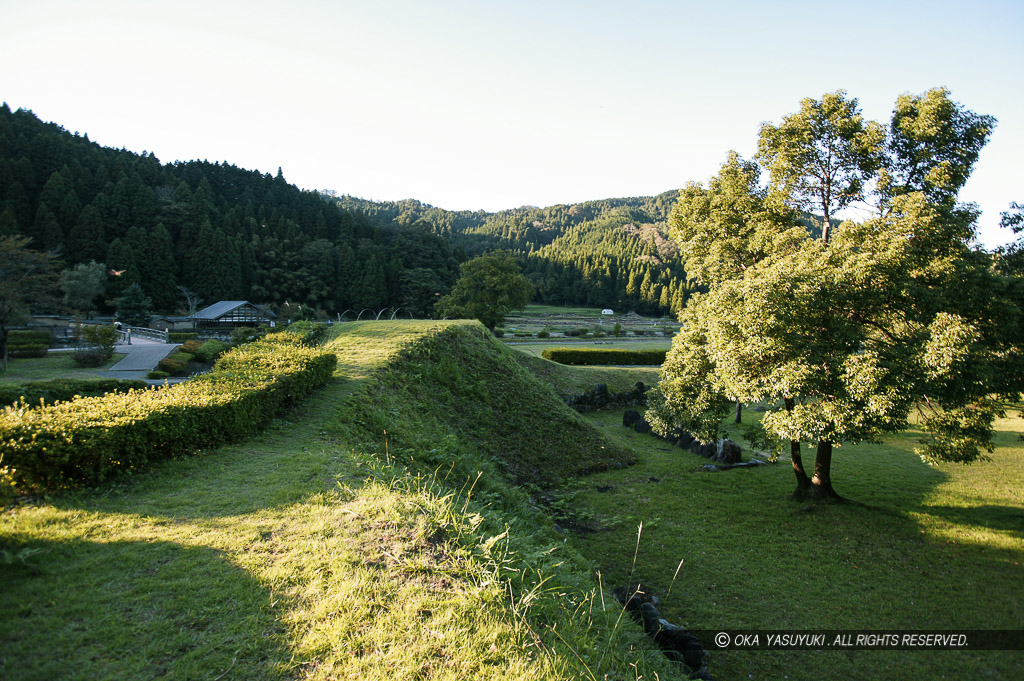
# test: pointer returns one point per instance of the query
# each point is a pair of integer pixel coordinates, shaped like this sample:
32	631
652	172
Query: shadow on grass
1007	519
149	617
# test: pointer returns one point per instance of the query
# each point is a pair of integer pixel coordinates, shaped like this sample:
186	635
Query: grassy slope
924	548
325	549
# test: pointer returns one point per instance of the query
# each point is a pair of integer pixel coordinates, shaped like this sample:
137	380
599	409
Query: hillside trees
850	333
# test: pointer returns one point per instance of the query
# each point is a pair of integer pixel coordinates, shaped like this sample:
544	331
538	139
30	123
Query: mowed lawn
916	547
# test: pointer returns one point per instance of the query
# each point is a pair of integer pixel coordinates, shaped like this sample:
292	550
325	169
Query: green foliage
824	156
63	390
157	375
191	346
856	330
489	288
95	346
134	308
26	280
18	337
28	350
311	333
82	285
91	356
101	335
247	334
181	336
86	440
598	357
210	350
176	364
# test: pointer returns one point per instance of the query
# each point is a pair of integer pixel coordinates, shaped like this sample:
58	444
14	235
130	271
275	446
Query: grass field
53	365
535	348
917	547
374	533
366	535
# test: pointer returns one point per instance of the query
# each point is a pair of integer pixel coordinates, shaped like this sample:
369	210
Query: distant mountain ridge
226	233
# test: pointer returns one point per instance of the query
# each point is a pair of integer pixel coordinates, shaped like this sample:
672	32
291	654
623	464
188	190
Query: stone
726	452
642	426
630	417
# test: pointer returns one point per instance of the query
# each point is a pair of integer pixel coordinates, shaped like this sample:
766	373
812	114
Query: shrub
190	346
181	336
211	350
310	332
99	335
499	332
63	389
88	439
617	329
244	334
586	356
28	350
92	356
158	375
543	334
20	336
639	332
176	364
28	343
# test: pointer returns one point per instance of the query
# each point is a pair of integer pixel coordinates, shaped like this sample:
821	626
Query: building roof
218	310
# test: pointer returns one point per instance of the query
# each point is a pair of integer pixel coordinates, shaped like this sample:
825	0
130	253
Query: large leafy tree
82	285
489	287
847	335
823	157
27	278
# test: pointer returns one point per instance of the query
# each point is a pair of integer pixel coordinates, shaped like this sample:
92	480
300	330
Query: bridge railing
152	334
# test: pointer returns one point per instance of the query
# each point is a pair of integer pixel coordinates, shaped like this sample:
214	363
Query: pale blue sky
494	105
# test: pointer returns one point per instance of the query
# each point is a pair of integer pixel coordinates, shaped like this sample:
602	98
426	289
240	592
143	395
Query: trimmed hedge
26	350
22	344
64	389
181	336
592	357
19	337
89	439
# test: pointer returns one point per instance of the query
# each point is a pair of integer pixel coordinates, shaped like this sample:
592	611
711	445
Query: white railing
151	334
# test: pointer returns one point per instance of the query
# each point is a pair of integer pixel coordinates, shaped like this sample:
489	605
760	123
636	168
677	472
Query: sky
492	105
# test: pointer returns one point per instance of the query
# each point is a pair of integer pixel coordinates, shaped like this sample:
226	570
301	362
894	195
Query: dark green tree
134	307
489	288
82	285
27	279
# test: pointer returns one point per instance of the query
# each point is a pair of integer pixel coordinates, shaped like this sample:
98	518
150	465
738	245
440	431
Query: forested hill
226	233
608	253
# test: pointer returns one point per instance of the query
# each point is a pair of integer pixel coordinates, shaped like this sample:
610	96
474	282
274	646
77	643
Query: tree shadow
1006	519
133	610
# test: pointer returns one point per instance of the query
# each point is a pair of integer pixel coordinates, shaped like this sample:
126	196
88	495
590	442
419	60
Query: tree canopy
489	288
848	334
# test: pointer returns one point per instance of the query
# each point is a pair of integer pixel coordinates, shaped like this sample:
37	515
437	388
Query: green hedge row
64	389
19	337
28	343
593	356
88	439
181	336
26	350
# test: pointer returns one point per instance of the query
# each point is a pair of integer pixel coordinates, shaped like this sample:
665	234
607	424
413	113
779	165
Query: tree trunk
739	412
803	483
821	483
